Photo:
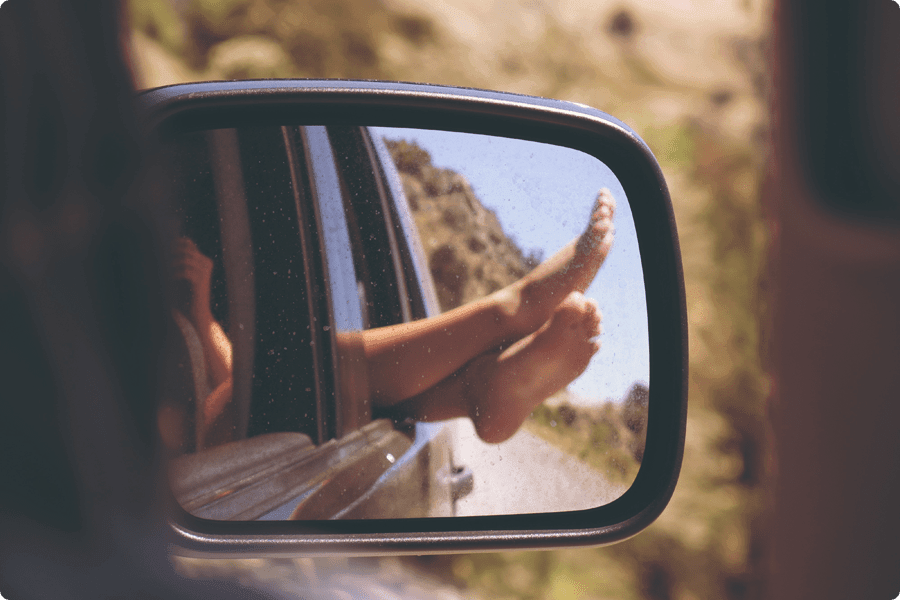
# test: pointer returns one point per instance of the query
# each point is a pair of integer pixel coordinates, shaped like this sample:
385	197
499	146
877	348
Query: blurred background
690	77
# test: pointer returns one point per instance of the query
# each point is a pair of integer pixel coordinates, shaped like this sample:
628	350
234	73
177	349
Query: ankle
506	310
474	387
533	308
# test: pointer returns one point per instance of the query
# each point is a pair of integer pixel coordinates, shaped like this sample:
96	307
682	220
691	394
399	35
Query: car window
237	208
292	227
299	226
345	283
423	301
199	232
372	237
284	395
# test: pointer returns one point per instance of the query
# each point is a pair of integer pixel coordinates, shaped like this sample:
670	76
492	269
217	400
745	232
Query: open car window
270	415
237	210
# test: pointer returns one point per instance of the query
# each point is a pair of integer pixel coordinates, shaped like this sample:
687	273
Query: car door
311	251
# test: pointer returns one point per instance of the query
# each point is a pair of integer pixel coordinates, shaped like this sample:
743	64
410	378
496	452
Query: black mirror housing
217	105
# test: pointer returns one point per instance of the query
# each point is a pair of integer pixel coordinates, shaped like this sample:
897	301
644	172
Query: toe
605	197
602	225
593	326
571	311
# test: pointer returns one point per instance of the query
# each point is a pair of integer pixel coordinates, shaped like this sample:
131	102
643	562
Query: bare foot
503	389
597	239
462	335
529	302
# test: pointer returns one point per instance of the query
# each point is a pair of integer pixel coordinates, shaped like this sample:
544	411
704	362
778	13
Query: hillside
609	436
468	252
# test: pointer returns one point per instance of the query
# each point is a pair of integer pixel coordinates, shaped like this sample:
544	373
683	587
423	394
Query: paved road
525	474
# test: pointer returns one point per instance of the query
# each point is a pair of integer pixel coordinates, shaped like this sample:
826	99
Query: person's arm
216	351
195	269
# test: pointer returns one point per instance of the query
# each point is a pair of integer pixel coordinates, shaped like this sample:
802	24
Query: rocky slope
468	252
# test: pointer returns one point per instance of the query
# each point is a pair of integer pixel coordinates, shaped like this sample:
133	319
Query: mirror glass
377	322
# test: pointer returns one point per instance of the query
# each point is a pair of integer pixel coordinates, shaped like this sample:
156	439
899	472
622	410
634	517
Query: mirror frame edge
484	112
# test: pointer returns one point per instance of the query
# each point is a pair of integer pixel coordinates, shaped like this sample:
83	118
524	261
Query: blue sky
543	195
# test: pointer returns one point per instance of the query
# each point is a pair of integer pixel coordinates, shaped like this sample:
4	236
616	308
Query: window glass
200	357
284	392
382	293
241	362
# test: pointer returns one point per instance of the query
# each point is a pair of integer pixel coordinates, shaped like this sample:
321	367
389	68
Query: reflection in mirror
383	323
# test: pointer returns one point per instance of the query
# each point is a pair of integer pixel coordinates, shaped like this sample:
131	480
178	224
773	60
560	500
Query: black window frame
373	232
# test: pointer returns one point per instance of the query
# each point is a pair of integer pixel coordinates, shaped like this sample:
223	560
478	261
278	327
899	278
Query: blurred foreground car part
834	194
81	314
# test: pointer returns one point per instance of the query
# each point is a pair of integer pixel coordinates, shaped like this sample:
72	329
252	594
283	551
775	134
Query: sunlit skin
455	364
498	389
434	348
195	270
492	360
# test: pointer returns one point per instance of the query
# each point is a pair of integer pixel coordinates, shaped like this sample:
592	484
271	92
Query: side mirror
352	337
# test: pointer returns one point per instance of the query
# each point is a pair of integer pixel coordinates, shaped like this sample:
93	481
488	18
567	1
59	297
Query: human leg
499	389
409	358
530	301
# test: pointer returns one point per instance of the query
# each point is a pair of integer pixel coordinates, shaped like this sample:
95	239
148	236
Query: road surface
525	474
